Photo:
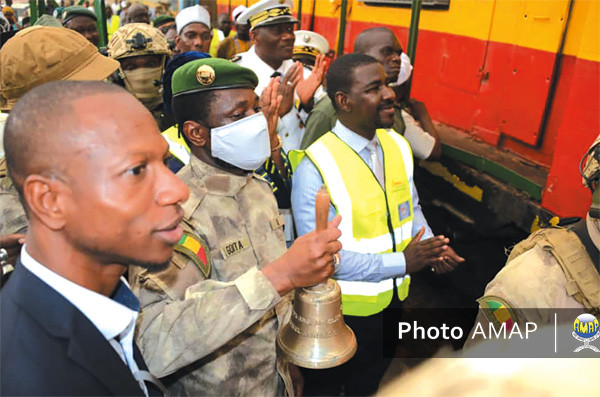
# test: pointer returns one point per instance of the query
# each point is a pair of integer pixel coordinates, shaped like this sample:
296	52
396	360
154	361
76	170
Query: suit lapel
86	345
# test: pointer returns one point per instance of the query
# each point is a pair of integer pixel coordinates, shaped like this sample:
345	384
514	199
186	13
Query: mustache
386	104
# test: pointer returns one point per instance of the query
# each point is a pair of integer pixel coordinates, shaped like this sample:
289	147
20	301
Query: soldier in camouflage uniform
209	322
35	56
13	219
551	269
142	52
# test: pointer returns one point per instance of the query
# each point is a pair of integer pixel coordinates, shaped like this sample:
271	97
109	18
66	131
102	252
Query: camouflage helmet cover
590	165
136	39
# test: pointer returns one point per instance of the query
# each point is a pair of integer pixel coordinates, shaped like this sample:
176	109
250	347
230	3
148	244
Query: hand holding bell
316	335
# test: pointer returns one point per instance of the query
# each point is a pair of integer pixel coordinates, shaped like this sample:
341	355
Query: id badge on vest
404	210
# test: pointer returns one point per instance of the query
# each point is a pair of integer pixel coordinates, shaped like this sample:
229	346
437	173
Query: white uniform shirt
291	126
421	142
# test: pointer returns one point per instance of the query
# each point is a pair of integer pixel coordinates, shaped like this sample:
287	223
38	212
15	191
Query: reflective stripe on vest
373	221
177	145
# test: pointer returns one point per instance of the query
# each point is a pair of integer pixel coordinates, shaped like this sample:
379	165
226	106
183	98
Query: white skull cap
193	14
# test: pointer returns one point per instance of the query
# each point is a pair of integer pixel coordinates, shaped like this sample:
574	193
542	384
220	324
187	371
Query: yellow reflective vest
177	145
374	220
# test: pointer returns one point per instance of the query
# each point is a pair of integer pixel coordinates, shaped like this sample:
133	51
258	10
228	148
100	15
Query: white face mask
244	143
405	70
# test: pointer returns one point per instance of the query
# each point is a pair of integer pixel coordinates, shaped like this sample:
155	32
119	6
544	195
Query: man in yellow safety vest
368	171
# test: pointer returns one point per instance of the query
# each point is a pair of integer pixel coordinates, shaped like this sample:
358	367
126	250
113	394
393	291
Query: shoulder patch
197	250
498	311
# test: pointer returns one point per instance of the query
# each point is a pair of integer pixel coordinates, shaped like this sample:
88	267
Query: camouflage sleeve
320	121
12	215
173	333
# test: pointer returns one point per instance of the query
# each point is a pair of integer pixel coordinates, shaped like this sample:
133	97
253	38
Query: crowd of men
188	158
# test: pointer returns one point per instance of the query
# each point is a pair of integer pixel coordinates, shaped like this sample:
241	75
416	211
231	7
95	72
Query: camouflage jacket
12	215
534	280
209	322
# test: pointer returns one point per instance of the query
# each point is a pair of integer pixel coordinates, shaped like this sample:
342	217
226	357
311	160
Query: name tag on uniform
234	247
404	210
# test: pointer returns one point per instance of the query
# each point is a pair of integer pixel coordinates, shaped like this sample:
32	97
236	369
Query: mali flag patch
498	311
196	249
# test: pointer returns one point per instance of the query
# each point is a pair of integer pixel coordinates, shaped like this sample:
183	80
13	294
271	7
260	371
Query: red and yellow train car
514	85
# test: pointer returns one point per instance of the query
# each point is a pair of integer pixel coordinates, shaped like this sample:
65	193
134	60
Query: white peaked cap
237	11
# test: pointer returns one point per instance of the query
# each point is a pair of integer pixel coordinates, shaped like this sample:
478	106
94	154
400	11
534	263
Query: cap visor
97	67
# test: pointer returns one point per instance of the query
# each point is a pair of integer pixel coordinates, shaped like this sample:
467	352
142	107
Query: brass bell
316	335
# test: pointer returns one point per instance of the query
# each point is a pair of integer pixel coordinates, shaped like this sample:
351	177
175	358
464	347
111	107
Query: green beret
47	20
211	74
76	11
161	20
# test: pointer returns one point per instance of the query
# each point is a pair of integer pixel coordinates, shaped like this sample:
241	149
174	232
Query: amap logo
586	329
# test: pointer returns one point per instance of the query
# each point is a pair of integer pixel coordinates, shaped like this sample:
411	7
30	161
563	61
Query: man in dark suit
88	161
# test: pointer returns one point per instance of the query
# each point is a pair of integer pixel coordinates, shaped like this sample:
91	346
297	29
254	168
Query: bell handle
321	214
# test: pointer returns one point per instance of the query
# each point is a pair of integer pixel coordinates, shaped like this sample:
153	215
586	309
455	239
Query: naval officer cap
310	43
268	12
211	74
193	14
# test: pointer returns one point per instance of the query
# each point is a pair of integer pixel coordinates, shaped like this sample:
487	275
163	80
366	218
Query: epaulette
193	202
235	58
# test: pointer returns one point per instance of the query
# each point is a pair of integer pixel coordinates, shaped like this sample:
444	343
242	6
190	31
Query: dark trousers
360	376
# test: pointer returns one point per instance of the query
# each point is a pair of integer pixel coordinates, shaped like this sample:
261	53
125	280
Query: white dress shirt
114	320
354	266
291	126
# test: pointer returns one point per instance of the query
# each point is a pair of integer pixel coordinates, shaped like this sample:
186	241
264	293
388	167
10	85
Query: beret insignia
205	75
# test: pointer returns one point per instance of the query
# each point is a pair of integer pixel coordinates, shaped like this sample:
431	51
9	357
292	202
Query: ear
253	35
46	199
196	133
342	101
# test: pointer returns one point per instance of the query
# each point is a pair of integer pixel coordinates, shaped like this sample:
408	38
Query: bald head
89	162
138	13
370	37
383	45
44	124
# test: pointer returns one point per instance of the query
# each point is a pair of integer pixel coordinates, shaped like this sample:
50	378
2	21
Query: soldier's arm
318	123
175	333
12	215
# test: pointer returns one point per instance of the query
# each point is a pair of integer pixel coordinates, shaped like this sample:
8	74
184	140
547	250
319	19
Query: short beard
381	124
108	258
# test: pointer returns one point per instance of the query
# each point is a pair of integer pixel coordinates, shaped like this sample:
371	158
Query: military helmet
136	39
589	167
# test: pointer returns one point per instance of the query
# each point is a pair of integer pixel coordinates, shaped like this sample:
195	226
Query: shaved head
89	164
383	45
369	37
42	125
